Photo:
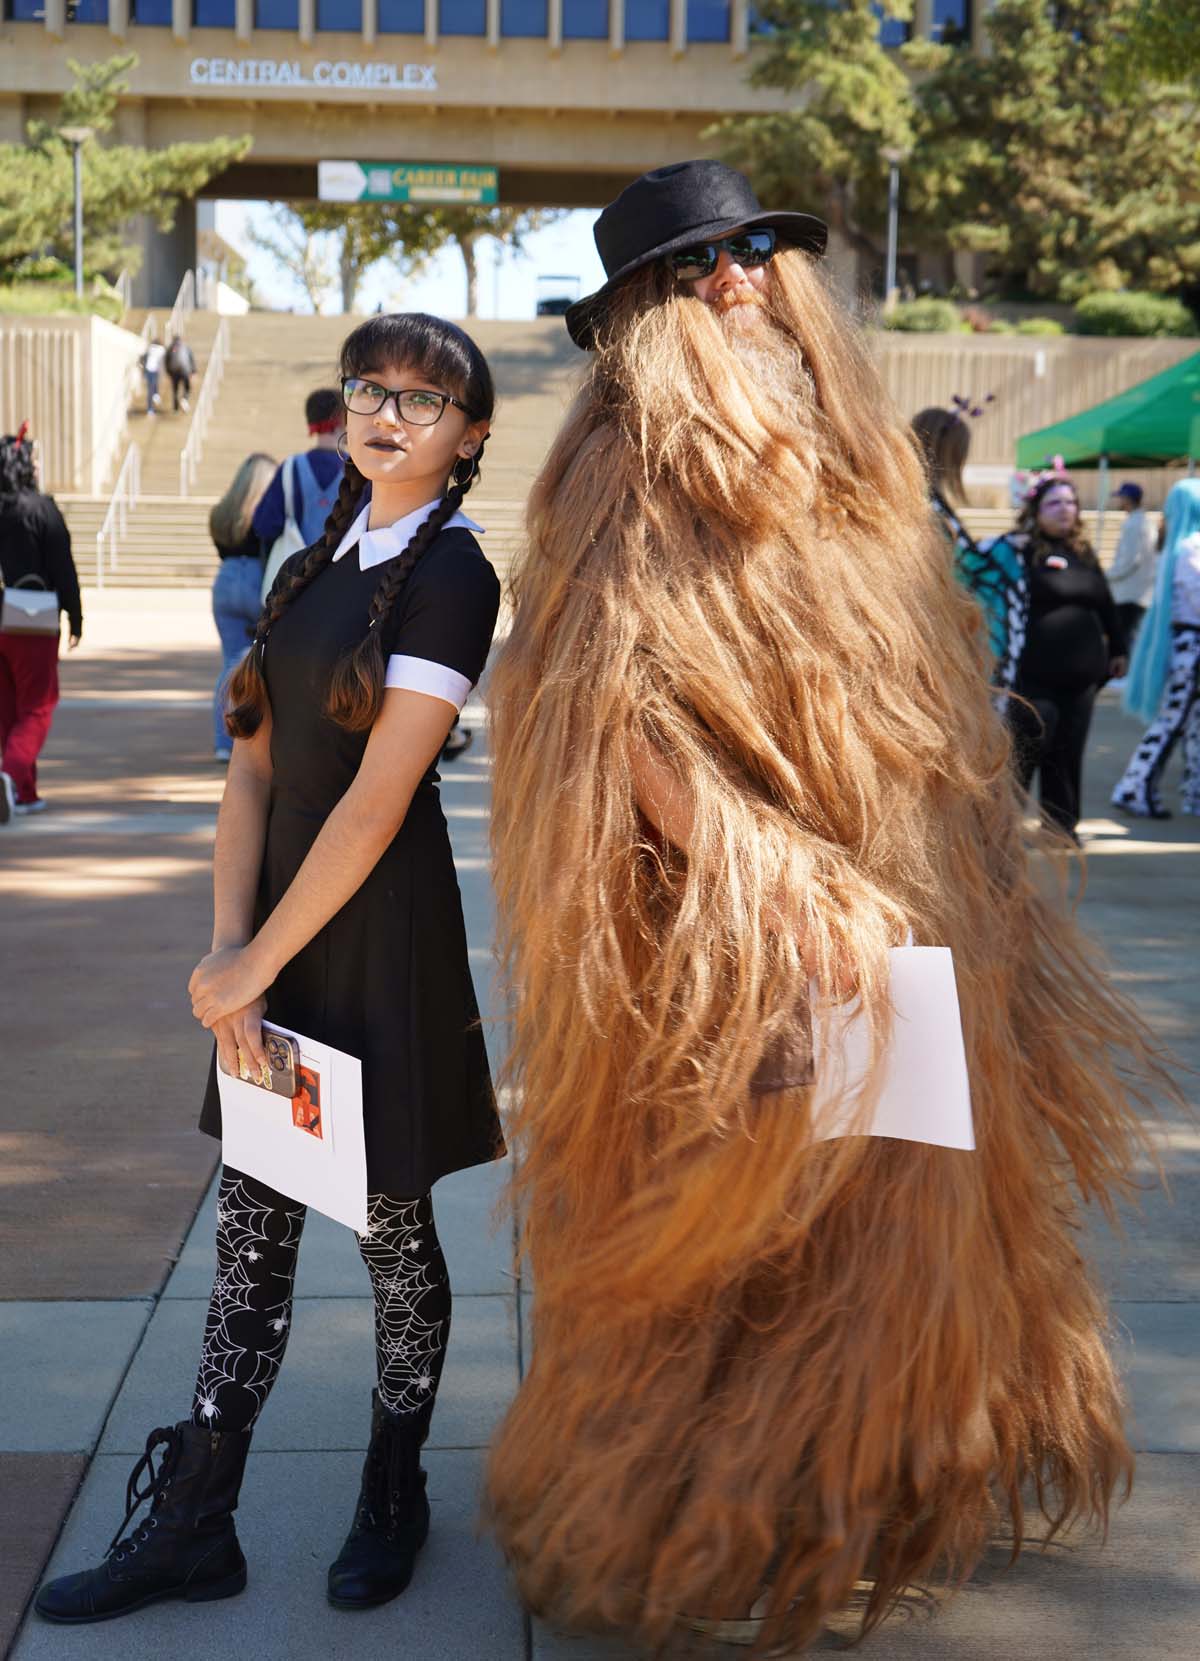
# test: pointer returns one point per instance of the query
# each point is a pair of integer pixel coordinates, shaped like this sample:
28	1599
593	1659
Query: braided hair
446	355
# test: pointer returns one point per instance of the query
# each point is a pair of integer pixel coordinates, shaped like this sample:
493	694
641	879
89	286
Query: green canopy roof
1153	423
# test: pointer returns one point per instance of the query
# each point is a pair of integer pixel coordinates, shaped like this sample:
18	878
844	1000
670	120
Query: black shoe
391	1521
186	1547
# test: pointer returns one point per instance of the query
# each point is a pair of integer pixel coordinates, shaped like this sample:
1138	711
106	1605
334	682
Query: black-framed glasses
416	406
745	248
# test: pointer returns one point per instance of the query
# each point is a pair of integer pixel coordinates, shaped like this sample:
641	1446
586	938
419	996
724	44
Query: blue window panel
214	14
345	15
891	31
402	17
463	17
647	19
585	19
87	11
708	20
151	11
25	11
952	22
277	14
523	19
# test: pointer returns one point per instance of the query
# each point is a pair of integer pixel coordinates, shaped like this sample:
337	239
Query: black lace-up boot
391	1520
186	1547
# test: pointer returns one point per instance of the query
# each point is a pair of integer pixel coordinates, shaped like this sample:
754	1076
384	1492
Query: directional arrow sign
375	181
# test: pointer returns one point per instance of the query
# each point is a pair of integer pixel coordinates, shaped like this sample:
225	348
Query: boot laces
389	1481
158	1481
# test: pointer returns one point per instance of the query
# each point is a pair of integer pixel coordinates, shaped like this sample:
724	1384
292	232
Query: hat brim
798	230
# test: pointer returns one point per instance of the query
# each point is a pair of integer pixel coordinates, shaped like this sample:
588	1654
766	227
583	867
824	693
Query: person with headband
731	774
337	913
315	474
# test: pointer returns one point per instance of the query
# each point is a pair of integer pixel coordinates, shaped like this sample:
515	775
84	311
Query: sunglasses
417	407
745	248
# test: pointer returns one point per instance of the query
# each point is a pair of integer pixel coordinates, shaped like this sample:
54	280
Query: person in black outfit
181	366
1073	644
35	552
337	913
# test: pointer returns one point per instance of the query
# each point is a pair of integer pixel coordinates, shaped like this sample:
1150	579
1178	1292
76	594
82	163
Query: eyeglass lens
418	407
748	248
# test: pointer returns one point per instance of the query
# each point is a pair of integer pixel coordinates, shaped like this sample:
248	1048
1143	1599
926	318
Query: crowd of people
746	748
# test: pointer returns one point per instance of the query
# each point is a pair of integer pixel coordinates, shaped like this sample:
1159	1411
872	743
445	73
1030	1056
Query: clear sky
508	288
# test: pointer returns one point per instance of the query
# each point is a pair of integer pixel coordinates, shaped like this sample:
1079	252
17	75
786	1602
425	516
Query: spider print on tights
412	1300
250	1313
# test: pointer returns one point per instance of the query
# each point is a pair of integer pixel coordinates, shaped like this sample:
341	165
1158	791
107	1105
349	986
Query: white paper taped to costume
924	1093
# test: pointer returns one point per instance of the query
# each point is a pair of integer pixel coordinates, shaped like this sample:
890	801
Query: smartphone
283	1063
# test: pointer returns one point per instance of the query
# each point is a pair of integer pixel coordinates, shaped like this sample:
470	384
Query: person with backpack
152	361
181	366
300	498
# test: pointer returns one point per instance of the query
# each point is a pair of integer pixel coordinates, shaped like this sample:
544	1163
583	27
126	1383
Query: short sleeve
446	618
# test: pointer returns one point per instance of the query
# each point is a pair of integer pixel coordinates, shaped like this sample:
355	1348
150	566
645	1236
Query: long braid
247	694
357	684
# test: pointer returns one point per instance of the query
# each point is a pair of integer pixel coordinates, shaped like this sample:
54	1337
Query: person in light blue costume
1164	678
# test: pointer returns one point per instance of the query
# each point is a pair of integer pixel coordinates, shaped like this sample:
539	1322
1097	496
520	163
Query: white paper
925	1095
259	1137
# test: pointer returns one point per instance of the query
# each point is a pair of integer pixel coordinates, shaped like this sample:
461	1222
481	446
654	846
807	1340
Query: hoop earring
344	454
472	467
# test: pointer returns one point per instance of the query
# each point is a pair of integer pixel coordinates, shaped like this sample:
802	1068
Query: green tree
853	99
1033	155
1160	41
120	181
468	227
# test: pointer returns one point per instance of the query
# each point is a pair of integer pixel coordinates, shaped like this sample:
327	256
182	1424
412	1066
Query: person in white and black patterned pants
1178	720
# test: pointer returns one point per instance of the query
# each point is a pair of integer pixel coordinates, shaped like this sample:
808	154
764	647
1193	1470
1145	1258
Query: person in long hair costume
743	745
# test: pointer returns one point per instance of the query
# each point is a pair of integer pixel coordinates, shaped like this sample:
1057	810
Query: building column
370	22
922	27
616	26
243	18
980	41
308	21
493	24
56	18
118	18
554	25
431	22
739	28
677	28
167	257
181	19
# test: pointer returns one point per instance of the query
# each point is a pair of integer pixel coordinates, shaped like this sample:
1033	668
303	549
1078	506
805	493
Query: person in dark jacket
181	366
35	552
235	601
316	475
1073	643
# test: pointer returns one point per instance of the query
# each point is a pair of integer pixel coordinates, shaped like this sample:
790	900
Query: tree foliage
120	181
1033	155
1067	153
324	246
854	100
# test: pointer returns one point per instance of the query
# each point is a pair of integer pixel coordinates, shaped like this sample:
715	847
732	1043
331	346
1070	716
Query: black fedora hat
674	207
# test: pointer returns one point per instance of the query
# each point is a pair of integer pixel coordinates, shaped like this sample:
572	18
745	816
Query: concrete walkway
87	1378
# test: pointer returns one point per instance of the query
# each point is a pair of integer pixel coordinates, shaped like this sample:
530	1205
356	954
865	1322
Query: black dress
387	979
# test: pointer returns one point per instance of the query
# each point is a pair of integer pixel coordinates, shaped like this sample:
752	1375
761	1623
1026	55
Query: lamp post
893	157
78	137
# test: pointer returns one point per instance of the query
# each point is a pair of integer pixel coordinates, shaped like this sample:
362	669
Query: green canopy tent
1152	424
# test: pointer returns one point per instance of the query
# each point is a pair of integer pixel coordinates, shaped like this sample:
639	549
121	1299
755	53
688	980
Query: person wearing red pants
35	550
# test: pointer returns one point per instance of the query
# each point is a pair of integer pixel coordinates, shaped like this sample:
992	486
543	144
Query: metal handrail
125	492
185	304
189	456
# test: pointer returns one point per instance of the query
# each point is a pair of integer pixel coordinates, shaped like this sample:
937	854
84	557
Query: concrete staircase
275	361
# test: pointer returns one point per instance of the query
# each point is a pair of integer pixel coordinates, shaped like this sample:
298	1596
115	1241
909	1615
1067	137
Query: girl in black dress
337	913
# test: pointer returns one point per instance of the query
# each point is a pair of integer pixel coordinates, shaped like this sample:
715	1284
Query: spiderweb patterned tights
250	1313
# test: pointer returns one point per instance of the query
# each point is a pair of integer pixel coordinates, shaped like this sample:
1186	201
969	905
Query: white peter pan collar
377	547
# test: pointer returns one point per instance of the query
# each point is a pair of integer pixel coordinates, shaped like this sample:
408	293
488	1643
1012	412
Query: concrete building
568	99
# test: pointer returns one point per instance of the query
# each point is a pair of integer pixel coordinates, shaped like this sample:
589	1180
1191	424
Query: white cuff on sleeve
420	674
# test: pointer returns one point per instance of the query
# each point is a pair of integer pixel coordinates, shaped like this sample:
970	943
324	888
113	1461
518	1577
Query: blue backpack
314	502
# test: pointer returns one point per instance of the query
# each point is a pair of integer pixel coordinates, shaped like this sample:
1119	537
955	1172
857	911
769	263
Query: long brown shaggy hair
760	1360
1038	543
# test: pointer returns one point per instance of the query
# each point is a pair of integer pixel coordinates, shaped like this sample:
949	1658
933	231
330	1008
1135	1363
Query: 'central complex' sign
284	72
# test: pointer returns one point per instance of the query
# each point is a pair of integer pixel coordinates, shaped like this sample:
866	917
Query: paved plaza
107	1222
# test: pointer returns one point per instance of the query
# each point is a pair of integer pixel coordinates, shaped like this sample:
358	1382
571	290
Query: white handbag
29	610
290	539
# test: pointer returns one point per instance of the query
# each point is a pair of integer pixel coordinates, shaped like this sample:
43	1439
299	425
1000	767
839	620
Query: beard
769	354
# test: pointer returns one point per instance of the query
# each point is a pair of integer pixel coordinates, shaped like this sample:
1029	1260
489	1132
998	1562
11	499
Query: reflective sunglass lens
689	263
755	248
